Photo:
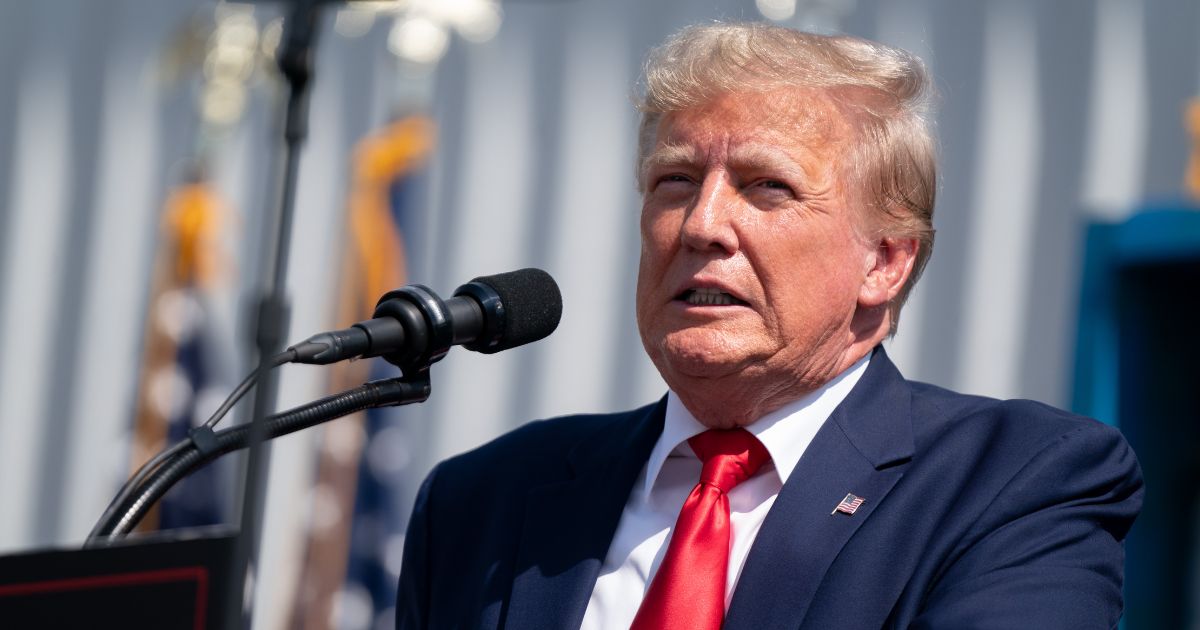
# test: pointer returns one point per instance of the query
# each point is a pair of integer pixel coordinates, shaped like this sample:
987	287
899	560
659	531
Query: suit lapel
569	524
862	449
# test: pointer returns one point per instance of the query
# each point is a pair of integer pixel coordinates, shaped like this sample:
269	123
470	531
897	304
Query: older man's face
753	254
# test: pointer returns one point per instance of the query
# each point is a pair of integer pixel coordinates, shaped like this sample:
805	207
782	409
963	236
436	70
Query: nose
708	224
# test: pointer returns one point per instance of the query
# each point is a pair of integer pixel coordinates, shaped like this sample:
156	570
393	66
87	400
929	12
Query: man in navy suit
788	184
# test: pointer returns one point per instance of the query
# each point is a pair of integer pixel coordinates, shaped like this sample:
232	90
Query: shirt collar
785	432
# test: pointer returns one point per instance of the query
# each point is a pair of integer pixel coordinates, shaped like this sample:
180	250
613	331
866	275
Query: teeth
709	297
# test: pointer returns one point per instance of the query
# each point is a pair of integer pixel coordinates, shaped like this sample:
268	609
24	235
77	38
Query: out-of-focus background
139	144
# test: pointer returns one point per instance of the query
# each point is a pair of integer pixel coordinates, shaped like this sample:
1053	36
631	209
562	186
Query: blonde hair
885	90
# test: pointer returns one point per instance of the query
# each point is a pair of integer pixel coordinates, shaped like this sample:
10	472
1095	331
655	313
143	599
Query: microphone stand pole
294	56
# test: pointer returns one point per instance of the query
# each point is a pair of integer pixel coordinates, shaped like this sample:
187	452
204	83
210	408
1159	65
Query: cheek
652	263
813	271
659	238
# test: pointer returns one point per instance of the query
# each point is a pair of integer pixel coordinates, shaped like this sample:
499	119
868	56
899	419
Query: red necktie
688	592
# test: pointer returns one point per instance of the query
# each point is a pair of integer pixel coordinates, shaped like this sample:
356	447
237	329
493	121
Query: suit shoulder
1035	502
540	444
1020	424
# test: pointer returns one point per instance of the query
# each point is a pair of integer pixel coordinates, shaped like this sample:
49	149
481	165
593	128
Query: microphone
413	328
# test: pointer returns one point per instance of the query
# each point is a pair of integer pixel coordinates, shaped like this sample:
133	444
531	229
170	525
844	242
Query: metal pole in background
295	57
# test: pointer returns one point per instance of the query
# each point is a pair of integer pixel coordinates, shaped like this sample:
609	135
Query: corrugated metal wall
1051	114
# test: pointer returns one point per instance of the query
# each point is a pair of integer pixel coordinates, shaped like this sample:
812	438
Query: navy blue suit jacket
979	513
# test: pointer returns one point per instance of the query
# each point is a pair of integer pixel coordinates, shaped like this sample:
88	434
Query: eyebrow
667	153
764	156
670	153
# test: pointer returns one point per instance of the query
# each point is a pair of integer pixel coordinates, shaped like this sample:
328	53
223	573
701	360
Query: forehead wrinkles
795	124
803	116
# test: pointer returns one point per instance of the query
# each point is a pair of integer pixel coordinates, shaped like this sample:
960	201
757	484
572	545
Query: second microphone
413	328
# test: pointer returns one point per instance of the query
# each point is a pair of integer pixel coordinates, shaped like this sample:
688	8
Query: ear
888	269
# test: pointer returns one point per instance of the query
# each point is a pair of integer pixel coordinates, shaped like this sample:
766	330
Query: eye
774	188
774	184
672	179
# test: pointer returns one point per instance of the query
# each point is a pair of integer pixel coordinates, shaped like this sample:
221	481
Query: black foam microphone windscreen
528	303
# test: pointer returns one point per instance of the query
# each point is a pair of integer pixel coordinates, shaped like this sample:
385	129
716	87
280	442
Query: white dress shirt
667	479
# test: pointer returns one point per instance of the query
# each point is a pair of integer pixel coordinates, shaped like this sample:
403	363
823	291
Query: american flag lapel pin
848	505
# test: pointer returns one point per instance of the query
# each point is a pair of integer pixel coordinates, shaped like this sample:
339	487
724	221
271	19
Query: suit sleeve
412	597
1048	551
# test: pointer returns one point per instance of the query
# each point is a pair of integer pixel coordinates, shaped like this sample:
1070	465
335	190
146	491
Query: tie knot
730	456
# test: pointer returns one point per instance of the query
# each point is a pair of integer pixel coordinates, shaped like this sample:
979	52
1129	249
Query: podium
163	581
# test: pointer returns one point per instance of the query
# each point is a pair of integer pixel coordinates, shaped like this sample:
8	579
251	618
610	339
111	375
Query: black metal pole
294	56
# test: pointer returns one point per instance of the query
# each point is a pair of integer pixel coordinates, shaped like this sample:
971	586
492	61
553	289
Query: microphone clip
428	331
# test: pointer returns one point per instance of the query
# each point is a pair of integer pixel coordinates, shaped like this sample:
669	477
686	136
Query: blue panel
1134	367
1156	235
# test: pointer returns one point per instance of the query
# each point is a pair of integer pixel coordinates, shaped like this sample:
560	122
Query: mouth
709	297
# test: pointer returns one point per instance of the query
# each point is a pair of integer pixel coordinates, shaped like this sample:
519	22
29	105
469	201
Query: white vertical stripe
33	263
904	349
1003	205
473	391
422	244
230	171
650	385
596	206
1117	119
906	24
108	362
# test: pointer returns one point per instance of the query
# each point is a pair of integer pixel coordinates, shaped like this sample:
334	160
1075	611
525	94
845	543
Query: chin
702	354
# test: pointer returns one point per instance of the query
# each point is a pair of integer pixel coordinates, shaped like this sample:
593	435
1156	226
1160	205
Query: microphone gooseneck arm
188	455
150	466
